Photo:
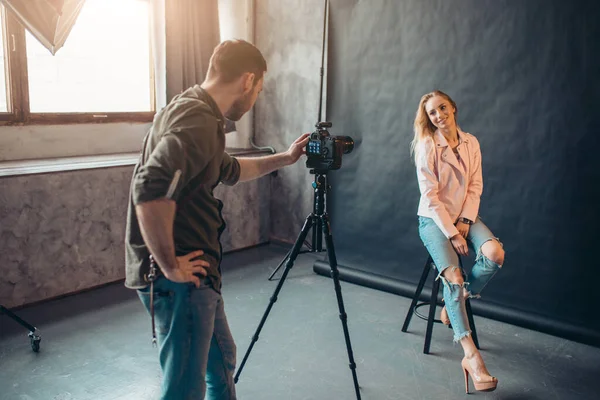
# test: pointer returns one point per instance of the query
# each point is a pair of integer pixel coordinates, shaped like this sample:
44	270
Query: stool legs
471	322
415	299
431	319
433	302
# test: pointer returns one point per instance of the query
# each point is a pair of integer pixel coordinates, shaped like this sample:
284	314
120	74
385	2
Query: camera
323	151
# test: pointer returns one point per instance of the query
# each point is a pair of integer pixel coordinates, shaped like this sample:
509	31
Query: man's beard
238	108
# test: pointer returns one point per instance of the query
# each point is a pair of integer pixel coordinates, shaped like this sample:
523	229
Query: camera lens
347	144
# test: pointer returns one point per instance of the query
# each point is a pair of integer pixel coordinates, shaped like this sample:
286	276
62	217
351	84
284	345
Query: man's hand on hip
187	266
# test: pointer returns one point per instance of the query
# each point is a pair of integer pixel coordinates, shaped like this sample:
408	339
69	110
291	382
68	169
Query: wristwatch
465	221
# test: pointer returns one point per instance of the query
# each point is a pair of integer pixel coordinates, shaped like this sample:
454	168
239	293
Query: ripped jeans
195	346
444	256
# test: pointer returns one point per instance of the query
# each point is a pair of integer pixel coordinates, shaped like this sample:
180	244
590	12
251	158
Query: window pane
3	103
104	65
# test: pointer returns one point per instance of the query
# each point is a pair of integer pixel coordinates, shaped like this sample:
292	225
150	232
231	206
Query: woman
448	164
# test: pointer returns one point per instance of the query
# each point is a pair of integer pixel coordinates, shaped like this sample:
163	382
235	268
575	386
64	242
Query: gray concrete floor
96	345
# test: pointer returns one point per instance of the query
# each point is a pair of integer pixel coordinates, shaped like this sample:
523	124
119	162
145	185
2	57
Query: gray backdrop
525	77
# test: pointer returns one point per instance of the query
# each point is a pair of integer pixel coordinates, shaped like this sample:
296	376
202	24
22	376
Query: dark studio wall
289	34
524	75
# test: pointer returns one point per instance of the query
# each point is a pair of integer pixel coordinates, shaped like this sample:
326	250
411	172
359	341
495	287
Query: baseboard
252	246
113	282
281	242
496	312
68	294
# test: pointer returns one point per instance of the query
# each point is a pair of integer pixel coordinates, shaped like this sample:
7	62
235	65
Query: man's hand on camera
463	228
460	244
187	267
298	148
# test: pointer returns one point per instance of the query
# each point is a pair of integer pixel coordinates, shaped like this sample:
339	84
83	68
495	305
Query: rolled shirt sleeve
230	170
180	154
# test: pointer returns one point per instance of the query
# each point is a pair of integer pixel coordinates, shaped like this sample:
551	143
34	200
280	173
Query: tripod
316	245
33	332
317	219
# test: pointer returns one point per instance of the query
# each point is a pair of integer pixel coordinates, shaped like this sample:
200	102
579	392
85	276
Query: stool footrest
424	317
433	303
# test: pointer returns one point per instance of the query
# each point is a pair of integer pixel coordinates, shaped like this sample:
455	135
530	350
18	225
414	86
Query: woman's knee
454	275
493	251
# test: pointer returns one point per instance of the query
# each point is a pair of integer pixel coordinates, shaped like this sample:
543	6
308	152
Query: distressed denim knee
483	271
454	299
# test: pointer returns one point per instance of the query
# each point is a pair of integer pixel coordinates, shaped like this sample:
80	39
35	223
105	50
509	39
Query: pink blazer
450	188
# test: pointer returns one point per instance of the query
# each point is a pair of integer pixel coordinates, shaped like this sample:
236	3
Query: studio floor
96	345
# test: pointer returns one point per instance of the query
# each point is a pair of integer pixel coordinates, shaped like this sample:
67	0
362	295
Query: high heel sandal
487	385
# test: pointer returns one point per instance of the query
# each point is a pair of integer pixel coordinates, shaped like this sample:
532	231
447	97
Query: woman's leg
446	260
489	260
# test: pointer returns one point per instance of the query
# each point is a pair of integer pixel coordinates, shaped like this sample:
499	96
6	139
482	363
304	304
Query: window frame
17	87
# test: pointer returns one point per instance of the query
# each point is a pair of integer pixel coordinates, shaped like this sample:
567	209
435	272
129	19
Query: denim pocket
163	308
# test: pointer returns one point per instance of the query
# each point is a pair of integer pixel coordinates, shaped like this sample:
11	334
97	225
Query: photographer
175	222
450	180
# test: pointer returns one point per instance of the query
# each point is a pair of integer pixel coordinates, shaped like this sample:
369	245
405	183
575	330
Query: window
3	87
103	73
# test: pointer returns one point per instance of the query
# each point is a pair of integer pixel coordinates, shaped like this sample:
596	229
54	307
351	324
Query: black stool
433	303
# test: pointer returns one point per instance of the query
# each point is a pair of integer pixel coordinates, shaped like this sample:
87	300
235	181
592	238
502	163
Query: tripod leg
288	265
279	266
283	261
17	319
338	291
34	336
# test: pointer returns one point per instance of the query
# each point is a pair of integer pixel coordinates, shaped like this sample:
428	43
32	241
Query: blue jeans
196	349
444	256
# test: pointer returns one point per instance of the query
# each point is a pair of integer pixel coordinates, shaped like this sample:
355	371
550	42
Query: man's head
240	66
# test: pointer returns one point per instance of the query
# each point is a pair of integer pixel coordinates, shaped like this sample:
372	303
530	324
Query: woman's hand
463	229
460	244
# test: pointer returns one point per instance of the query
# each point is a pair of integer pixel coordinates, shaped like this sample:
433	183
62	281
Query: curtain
50	21
192	32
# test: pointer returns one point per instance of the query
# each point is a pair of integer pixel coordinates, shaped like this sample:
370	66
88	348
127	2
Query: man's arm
156	225
176	158
255	167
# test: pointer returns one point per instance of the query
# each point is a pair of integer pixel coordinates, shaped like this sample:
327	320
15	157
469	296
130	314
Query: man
174	222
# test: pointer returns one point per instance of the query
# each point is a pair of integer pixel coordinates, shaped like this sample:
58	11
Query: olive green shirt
183	158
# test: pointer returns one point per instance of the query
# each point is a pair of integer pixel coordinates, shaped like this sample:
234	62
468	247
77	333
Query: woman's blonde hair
423	127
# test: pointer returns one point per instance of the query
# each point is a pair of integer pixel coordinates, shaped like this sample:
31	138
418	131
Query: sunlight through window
104	66
3	87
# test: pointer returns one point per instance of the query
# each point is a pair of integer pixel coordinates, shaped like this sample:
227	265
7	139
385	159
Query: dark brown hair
232	58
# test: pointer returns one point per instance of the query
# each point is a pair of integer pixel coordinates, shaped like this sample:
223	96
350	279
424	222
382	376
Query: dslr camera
323	151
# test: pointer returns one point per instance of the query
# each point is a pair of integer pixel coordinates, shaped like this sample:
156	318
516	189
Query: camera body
323	151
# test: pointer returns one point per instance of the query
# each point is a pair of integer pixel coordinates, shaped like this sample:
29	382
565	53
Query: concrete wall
290	36
64	232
